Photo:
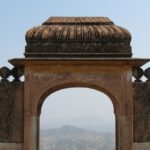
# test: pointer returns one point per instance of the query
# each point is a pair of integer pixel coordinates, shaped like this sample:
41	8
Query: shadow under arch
76	85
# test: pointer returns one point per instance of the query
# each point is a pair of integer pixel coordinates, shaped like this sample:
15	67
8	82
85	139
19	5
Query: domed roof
78	37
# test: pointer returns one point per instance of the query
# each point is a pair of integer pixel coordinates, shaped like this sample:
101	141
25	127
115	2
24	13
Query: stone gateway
67	52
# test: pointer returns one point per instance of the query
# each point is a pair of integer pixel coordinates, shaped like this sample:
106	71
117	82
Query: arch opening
77	85
71	115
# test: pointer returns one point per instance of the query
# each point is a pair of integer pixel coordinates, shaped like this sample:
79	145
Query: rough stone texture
79	37
141	146
141	112
11	146
75	50
11	111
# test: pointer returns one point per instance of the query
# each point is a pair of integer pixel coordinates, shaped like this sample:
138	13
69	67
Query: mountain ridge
69	137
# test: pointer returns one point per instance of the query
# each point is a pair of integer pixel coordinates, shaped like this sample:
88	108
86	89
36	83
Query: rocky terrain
72	138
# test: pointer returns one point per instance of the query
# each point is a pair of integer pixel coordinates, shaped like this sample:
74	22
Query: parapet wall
141	109
141	112
11	110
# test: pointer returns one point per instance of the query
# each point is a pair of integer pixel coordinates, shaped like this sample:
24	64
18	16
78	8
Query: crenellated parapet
16	73
138	73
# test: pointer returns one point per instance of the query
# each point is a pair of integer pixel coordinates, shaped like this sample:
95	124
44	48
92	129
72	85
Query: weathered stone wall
11	112
141	111
11	109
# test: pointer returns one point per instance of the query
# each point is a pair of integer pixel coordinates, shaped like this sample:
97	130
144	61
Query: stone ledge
11	146
141	146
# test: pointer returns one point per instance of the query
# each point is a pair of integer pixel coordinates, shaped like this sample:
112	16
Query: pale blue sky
17	16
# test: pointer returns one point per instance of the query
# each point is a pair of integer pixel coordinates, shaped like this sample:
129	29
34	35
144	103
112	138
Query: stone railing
16	73
139	73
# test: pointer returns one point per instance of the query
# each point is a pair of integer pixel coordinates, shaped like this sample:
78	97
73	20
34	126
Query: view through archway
77	119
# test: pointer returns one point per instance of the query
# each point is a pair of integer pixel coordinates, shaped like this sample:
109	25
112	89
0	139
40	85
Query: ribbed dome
78	36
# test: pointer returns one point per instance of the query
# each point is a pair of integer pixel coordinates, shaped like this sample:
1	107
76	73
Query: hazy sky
82	107
17	16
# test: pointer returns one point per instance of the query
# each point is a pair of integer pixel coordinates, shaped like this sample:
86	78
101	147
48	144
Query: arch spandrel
47	80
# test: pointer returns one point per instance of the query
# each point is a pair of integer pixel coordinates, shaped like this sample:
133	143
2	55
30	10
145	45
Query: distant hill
89	122
72	138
